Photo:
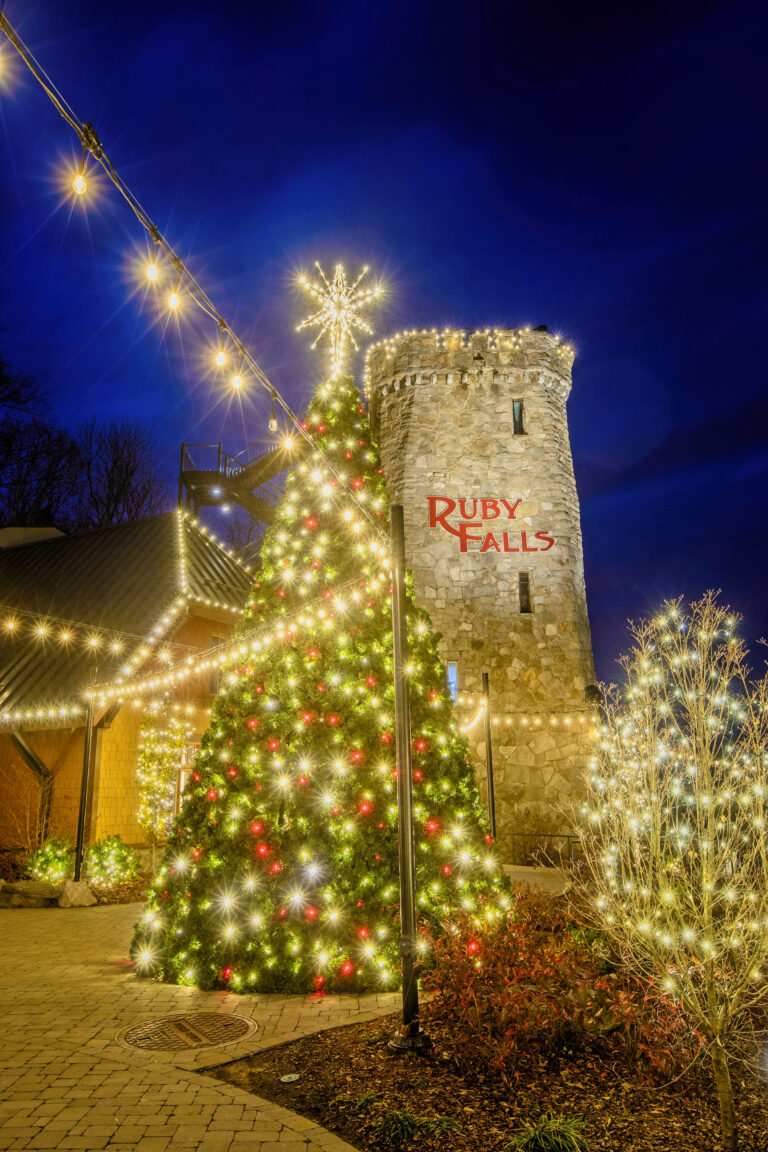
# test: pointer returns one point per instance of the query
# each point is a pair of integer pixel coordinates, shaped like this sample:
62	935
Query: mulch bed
132	892
348	1081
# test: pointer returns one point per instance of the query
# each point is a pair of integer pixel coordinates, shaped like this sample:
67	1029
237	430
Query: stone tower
474	443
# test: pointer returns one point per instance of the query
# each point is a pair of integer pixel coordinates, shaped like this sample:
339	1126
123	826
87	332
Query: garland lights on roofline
186	286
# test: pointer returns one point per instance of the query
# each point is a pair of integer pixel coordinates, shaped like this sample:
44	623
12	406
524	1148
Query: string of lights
185	285
322	611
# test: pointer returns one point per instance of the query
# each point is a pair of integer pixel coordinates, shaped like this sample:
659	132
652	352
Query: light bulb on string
152	271
174	299
80	184
220	358
272	416
237	381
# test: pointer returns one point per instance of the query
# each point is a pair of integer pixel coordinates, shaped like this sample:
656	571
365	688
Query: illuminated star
338	314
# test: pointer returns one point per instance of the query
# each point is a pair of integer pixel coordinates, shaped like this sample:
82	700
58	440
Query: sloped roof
120	580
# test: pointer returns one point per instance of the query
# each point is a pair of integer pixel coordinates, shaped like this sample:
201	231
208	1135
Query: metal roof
122	579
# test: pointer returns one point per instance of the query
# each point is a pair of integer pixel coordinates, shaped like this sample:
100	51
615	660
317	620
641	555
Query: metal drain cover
189	1030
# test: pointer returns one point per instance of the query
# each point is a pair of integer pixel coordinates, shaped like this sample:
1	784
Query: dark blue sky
602	171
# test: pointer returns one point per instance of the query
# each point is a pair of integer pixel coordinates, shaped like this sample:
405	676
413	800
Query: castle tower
473	434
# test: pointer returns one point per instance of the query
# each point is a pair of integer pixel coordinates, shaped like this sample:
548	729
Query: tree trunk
725	1097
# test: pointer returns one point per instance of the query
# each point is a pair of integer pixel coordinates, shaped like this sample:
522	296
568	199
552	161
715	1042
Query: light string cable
274	626
86	134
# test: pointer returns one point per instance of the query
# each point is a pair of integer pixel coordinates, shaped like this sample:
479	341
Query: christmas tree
281	871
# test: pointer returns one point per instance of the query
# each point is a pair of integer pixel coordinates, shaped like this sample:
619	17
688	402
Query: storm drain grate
193	1030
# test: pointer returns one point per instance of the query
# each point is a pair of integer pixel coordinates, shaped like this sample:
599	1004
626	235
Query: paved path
66	1082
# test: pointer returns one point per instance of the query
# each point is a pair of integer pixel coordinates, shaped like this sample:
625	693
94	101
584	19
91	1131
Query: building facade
473	434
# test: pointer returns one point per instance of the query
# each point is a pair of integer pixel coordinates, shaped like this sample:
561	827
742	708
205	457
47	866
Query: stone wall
501	504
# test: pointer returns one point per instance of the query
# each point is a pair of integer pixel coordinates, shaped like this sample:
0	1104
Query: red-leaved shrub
537	985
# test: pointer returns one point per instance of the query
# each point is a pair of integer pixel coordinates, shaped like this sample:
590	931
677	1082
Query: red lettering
511	508
489	543
490	509
524	538
507	548
435	519
545	536
463	534
463	509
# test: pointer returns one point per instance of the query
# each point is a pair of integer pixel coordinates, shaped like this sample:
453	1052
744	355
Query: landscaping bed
131	892
349	1083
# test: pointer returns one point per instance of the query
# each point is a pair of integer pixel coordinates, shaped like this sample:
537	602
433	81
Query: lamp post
409	1038
489	755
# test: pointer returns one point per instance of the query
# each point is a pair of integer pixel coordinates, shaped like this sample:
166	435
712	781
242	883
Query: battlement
478	358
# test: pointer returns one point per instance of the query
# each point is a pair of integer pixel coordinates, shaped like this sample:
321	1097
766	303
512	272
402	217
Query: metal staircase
210	476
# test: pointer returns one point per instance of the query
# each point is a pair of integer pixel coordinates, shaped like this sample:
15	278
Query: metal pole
84	788
409	1038
489	755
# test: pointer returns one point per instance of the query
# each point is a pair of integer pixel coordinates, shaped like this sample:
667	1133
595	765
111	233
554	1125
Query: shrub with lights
281	870
52	861
111	862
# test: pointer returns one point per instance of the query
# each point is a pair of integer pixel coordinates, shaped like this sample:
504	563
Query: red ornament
274	745
333	720
488	838
386	737
446	869
311	913
319	981
321	687
473	947
321	427
348	455
365	807
421	745
347	968
280	592
356	756
196	777
211	793
226	973
197	853
257	827
276	867
253	722
418	777
307	717
370	681
263	849
311	522
302	780
315	563
233	772
363	932
335	811
282	913
259	688
432	825
382	824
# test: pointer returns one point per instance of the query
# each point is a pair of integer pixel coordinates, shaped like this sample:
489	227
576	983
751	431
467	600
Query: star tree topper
338	317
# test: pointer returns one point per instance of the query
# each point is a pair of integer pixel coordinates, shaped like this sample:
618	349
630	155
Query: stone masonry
474	442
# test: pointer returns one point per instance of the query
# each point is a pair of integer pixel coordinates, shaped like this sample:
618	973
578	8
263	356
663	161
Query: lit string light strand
186	284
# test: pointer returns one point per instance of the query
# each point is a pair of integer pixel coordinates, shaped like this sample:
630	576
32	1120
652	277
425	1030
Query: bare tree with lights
674	835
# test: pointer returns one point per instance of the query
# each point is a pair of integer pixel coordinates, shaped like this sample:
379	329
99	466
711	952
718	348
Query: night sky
602	171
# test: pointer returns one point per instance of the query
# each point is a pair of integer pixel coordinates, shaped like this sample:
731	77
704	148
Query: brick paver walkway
66	1082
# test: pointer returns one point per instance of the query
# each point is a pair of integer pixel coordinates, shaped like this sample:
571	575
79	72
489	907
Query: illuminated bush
111	862
53	861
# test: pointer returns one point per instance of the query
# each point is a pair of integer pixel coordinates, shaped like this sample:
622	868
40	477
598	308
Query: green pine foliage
281	871
53	861
111	862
